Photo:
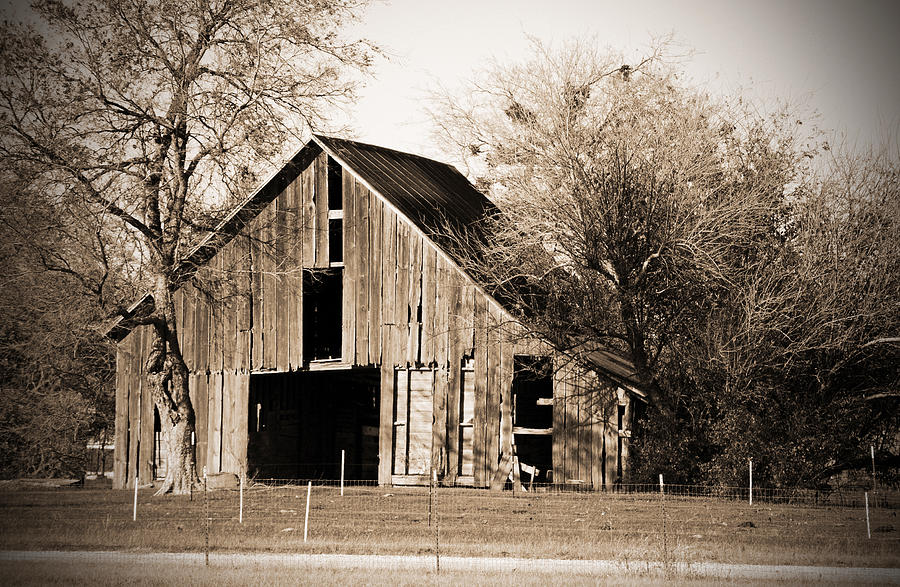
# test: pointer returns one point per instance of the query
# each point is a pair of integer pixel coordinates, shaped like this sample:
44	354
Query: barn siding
405	306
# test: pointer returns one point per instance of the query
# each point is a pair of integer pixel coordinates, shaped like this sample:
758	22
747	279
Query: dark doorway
322	304
532	392
298	424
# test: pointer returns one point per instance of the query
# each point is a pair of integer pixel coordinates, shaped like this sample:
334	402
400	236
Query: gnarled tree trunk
169	386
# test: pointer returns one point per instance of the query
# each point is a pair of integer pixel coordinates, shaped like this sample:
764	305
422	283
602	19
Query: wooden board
197	386
421	409
214	424
321	201
388	287
559	421
492	406
351	268
454	383
376	302
386	424
120	453
439	419
283	265
401	299
269	291
400	422
467	424
480	446
429	296
361	272
415	310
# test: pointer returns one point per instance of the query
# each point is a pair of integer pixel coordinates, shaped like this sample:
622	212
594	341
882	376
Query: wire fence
668	524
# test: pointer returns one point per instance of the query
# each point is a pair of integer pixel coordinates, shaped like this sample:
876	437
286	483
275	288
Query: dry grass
472	523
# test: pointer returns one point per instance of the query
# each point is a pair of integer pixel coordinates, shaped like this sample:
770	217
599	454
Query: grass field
465	522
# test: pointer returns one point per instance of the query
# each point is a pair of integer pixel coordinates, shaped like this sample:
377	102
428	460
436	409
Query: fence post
134	514
306	518
437	525
662	501
206	508
868	527
751	481
874	488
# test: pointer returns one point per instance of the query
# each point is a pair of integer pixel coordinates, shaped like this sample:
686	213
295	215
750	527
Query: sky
838	58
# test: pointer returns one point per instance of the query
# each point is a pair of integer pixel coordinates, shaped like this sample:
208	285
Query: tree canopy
693	236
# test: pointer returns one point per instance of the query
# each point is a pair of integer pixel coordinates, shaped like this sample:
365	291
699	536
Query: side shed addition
324	315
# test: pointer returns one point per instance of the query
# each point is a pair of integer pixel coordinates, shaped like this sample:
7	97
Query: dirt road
476	564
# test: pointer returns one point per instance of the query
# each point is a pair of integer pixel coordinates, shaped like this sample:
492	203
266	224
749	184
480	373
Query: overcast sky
837	57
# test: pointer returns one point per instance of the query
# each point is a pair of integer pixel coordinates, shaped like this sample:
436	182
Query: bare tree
155	115
627	200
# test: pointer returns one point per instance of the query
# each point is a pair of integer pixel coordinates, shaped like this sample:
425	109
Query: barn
325	315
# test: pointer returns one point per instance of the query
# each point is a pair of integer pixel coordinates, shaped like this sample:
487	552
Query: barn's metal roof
430	193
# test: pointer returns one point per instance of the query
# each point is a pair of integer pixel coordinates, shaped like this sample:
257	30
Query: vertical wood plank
559	420
214	425
178	300
321	200
201	344
351	269
454	382
388	287
269	287
240	393
256	293
216	314
625	435
124	362
283	266
134	400
492	433
571	425
415	311
444	294
146	456
308	215
200	401
429	298
401	422
480	443
190	320
596	425
363	264
507	368
401	300
439	422
244	305
376	301
386	424
294	277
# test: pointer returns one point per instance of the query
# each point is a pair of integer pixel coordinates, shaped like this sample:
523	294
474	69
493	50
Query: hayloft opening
298	423
532	393
322	308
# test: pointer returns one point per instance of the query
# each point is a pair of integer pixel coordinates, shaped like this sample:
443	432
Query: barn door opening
532	394
298	423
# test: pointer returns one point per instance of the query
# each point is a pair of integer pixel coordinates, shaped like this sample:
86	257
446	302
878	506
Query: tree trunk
168	375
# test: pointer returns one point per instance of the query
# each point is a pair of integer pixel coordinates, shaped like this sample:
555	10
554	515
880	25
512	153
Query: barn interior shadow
299	422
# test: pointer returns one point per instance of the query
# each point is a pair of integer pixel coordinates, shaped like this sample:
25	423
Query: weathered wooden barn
325	316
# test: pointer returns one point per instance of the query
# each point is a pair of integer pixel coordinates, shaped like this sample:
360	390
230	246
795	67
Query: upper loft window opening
532	392
335	242
335	185
322	308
